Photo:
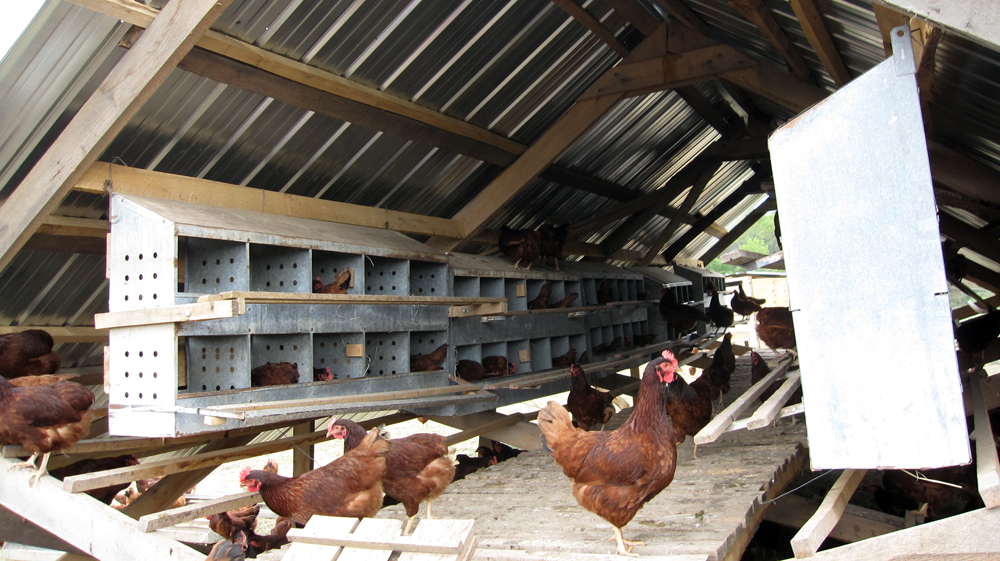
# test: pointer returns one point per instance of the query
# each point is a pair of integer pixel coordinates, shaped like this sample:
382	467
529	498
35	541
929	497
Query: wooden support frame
679	11
704	177
570	126
101	531
761	16
132	81
738	230
812	23
808	539
302	456
770	409
856	524
590	22
735	198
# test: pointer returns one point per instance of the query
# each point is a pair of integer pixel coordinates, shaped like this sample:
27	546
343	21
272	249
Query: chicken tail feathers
375	442
554	421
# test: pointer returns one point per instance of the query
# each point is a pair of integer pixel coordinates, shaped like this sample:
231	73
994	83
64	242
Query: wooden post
987	466
302	455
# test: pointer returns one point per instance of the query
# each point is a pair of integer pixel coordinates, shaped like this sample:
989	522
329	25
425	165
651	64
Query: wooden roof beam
984	244
584	18
570	126
704	177
761	16
738	230
161	185
703	107
635	14
680	12
812	23
127	87
727	204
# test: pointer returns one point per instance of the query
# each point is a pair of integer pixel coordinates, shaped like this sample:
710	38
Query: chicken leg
409	522
30	463
624	546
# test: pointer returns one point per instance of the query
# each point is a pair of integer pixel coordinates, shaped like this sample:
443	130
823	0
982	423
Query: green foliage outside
759	239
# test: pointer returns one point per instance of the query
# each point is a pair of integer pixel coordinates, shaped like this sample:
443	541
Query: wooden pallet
326	538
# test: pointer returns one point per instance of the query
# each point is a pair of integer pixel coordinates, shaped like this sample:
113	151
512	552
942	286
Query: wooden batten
187	513
723	420
200	311
812	24
808	539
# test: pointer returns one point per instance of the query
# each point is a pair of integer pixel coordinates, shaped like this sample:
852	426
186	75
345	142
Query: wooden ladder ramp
328	538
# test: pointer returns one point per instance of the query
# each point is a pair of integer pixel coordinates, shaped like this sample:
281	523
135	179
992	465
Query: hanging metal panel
879	371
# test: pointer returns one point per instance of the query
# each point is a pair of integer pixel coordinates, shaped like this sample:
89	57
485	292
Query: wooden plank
88	481
318	526
359	299
776	86
797	409
771	408
721	422
987	464
967	536
446	533
570	126
856	524
523	435
808	539
133	181
187	513
129	84
315	401
971	18
372	530
199	311
668	72
584	18
477	310
71	226
761	16
812	24
62	334
887	19
101	531
23	531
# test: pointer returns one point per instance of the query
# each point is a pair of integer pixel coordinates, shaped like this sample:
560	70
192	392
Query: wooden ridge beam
761	16
134	181
570	126
584	18
93	527
126	88
738	230
812	23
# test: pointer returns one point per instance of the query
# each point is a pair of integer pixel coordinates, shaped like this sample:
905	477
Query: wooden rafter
761	16
984	244
668	72
738	230
582	16
699	186
737	196
703	107
576	121
818	36
679	11
925	38
635	14
129	84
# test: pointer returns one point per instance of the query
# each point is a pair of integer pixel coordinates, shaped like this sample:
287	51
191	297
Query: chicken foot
30	463
624	546
409	521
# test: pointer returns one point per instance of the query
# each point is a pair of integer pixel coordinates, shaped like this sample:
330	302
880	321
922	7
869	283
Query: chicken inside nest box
866	278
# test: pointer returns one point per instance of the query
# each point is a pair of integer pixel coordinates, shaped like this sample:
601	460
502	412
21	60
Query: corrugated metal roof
511	66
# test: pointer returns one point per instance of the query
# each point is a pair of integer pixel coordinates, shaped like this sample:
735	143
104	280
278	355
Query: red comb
244	473
667	355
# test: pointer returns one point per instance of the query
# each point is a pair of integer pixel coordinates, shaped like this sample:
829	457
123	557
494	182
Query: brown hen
350	486
419	468
274	374
775	328
588	405
27	353
339	285
615	473
430	361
